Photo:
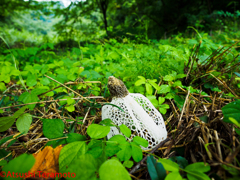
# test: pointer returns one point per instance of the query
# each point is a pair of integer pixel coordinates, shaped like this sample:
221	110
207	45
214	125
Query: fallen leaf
47	160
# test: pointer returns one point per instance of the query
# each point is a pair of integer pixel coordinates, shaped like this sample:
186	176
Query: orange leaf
47	160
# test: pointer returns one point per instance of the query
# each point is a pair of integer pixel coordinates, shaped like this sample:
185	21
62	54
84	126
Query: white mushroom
139	114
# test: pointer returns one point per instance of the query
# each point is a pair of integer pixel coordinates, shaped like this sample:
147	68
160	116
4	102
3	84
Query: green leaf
28	98
169	96
161	100
154	84
231	110
96	131
177	83
196	175
31	80
111	150
107	122
234	121
179	76
181	161
113	168
174	175
199	166
128	164
140	82
96	152
125	130
169	165
2	86
70	152
140	141
70	101
19	112
3	162
126	151
23	122
156	170
85	167
6	123
168	78
136	152
53	128
153	100
117	138
163	110
149	88
70	108
21	164
164	89
72	137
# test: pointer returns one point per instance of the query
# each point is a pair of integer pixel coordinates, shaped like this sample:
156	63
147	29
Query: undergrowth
194	85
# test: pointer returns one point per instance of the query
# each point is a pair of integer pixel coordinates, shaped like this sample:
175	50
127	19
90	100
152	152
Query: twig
180	120
68	88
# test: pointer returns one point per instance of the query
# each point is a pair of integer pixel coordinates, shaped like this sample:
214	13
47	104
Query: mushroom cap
117	88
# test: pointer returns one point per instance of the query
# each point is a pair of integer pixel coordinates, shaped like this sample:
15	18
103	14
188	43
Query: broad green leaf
70	101
6	123
153	100
96	152
3	162
231	110
70	108
19	112
196	175
72	137
21	164
161	100
140	82
181	161
169	96
155	169
149	89
234	121
117	138
23	122
96	131
136	152
31	80
140	141
174	175
45	81
199	166
164	89
169	165
69	153
53	128
177	83
2	86
162	110
113	169
28	98
125	130
179	76
128	164
84	167
126	151
111	150
154	84
168	78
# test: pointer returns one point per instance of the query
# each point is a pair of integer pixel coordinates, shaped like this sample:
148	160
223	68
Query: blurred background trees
33	21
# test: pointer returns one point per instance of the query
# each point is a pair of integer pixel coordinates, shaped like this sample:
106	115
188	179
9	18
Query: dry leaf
47	160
